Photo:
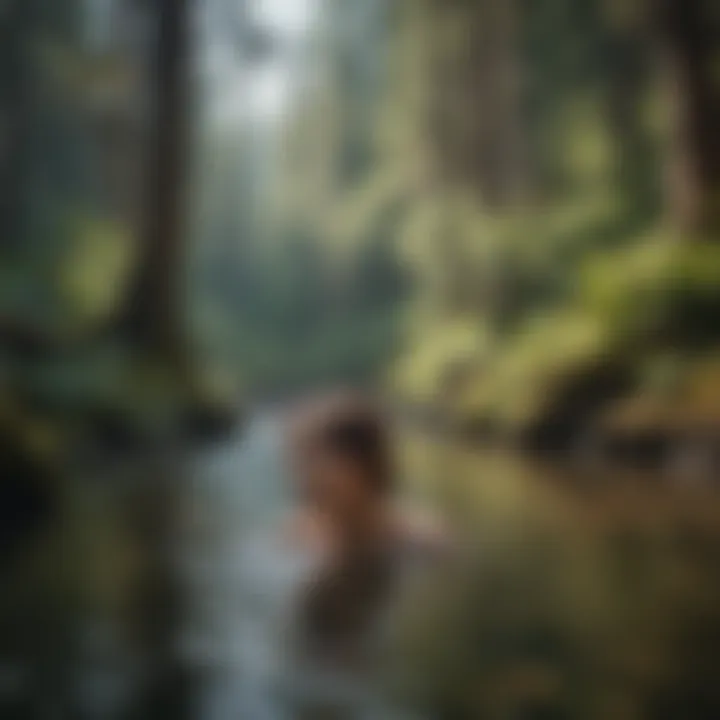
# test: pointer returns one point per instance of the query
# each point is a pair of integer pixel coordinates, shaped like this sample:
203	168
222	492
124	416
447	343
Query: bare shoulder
300	529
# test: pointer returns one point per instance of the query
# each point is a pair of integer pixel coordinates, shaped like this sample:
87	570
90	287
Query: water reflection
589	592
577	594
238	491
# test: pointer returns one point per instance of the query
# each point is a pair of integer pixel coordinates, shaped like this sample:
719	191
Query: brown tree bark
154	313
690	35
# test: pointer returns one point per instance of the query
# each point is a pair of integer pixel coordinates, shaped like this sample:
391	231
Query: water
237	495
594	558
240	582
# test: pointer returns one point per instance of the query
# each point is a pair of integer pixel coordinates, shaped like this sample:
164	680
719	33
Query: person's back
337	622
309	594
363	548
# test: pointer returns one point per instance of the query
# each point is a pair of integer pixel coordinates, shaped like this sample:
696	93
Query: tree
154	313
689	31
16	21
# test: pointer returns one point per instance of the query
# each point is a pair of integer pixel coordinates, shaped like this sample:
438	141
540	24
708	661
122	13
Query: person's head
341	454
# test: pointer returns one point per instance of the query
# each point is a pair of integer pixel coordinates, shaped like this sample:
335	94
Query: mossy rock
554	373
657	293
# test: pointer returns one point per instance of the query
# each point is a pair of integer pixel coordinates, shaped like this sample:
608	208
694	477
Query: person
363	544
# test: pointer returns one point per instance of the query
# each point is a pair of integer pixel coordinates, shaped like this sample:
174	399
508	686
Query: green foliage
310	320
92	276
581	279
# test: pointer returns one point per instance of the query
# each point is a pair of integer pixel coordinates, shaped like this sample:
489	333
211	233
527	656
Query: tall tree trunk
16	20
156	324
689	32
626	46
504	167
477	128
154	315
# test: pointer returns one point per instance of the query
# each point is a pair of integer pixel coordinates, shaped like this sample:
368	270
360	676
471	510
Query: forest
452	209
542	176
503	215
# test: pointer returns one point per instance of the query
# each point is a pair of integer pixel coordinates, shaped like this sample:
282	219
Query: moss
658	291
635	344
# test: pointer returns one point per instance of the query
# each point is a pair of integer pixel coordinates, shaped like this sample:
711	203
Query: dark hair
352	426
